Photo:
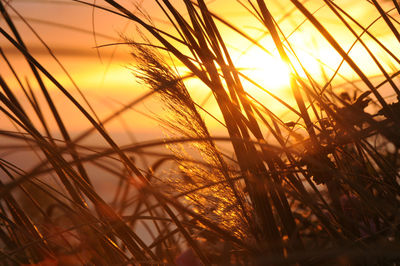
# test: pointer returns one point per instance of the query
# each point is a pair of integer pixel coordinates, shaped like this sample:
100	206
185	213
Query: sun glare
268	71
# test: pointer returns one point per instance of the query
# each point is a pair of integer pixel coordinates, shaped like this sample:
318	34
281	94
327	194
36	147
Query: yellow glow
268	71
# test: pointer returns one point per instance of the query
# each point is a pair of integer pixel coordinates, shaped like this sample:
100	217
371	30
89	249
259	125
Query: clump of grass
211	189
326	196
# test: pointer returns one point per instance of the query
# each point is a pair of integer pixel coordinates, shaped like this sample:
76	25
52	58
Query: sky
104	75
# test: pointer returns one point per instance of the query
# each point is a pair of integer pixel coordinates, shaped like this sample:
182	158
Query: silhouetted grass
320	189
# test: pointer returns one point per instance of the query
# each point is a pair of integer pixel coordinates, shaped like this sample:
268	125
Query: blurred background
88	44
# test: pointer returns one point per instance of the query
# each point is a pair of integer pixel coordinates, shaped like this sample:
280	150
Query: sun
266	70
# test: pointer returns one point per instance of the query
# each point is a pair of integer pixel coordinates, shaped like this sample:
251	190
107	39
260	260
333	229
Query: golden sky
104	75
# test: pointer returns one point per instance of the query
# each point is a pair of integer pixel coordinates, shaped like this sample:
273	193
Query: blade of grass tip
111	58
21	43
172	22
387	19
367	31
253	12
49	100
259	16
395	88
127	17
93	23
340	50
396	4
56	59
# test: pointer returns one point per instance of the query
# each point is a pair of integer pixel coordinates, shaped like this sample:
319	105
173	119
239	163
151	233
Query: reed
320	189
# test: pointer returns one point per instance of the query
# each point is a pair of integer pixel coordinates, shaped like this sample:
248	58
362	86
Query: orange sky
107	81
